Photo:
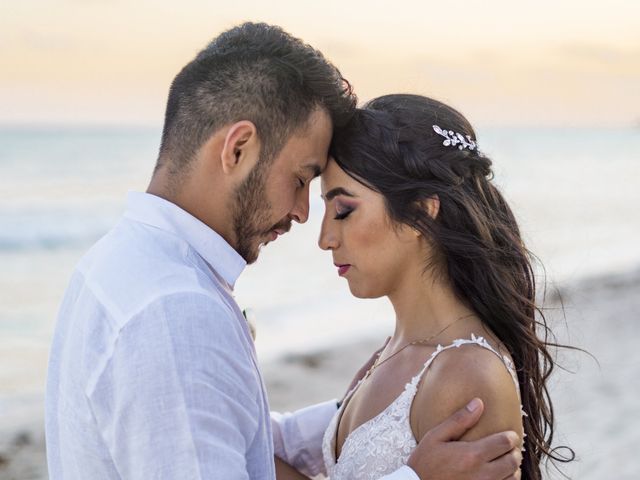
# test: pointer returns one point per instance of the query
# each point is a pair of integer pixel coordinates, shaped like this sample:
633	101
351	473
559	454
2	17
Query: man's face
274	195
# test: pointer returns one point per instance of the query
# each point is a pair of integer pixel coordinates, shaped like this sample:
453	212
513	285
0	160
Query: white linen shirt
152	370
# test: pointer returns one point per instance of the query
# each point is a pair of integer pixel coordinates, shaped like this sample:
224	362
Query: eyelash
301	183
342	215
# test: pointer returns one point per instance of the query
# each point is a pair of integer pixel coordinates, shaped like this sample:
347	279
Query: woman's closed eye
343	211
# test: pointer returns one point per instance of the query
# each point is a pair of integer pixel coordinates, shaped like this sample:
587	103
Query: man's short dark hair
254	72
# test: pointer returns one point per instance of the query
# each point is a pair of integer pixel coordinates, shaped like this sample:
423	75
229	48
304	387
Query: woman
412	214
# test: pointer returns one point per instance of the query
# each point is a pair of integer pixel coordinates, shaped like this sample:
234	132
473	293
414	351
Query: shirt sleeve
297	436
177	398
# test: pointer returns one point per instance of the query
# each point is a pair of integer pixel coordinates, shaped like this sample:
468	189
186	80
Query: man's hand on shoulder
440	455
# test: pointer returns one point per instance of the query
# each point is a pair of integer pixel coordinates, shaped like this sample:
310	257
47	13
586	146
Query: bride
412	214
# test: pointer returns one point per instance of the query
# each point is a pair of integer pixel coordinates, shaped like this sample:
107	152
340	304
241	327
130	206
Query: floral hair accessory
453	139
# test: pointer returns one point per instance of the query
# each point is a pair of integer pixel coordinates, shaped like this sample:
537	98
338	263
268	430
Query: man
152	372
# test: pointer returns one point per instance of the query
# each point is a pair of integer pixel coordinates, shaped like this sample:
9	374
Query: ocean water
574	191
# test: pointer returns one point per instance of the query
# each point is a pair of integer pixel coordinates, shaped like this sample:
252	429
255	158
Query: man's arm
297	436
437	456
175	399
440	454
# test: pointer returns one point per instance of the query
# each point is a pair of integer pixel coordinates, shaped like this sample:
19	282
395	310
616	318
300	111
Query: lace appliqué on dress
384	443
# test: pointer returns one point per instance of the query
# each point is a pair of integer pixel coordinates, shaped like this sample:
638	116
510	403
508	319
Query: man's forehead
315	168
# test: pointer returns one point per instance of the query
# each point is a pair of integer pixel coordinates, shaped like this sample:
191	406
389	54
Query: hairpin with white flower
452	139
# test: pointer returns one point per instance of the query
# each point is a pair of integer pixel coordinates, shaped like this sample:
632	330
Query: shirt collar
158	212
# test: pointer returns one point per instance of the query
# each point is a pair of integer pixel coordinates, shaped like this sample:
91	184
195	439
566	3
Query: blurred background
553	89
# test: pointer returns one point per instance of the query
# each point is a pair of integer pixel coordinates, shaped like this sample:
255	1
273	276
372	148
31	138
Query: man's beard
251	213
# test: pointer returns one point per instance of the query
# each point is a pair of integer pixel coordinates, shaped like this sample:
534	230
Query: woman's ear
241	148
432	205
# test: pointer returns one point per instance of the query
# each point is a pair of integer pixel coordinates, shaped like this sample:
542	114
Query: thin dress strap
480	341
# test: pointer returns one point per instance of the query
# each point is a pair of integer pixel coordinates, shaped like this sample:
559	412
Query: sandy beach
595	403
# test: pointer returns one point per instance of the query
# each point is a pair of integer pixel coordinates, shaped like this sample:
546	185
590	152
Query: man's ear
241	148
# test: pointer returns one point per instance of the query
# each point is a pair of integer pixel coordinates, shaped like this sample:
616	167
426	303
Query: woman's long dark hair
391	146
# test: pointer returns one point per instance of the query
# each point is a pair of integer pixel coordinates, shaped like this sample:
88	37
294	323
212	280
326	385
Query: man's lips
277	231
342	268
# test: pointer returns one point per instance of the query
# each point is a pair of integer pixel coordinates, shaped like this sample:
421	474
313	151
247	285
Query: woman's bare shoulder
455	377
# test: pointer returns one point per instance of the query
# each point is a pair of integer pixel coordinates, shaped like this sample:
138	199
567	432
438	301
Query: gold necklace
377	363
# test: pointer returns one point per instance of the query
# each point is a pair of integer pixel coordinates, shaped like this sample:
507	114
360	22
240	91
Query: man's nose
300	212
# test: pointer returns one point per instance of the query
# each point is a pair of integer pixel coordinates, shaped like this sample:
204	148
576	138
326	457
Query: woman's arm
462	373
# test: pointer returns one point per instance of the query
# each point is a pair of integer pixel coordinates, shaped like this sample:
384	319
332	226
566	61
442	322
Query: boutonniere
250	317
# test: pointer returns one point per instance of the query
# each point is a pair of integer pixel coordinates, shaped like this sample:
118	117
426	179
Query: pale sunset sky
501	62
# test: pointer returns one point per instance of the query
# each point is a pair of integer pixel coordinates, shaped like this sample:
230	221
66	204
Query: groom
152	372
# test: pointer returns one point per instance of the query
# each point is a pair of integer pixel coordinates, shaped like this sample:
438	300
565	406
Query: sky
502	63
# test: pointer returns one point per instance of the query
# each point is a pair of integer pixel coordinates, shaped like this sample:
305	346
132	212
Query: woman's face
372	253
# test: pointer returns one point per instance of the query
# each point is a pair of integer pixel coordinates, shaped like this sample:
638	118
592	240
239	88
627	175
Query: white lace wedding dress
384	443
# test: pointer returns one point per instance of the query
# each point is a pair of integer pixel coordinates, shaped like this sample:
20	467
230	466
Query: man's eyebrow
331	194
313	168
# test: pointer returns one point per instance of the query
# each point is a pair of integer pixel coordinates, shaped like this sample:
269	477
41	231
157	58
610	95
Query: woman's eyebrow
331	194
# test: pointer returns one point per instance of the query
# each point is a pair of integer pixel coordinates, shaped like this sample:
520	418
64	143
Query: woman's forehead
333	176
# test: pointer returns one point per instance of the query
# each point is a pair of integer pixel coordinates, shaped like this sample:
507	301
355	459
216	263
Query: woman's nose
328	239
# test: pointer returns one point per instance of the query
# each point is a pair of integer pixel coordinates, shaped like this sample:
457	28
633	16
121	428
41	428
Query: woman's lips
342	268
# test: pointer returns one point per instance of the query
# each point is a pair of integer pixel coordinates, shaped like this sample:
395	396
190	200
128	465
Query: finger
518	474
497	445
506	466
512	477
515	476
457	424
